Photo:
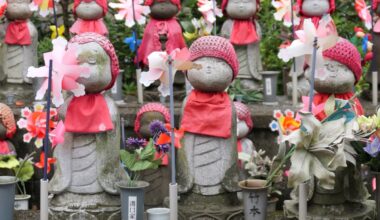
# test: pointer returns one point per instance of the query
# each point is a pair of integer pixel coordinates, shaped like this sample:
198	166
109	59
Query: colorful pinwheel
125	11
209	11
284	12
132	42
66	70
363	12
43	6
54	30
41	164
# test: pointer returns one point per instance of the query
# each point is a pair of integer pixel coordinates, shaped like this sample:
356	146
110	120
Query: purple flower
135	143
163	148
373	148
156	128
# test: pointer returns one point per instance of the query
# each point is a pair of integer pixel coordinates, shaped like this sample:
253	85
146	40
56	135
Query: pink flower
66	71
284	12
209	10
363	13
125	11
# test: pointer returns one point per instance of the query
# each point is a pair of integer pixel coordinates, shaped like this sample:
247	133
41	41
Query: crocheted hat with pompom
7	120
244	114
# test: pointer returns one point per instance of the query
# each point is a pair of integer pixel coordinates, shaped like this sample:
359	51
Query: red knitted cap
332	6
106	45
346	53
244	114
7	120
218	47
176	2
151	107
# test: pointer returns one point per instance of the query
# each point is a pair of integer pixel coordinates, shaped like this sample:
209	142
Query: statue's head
90	9
163	9
342	69
7	122
218	61
240	9
315	8
96	52
147	114
244	120
18	10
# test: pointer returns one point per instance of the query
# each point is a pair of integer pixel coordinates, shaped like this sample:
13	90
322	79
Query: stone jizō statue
158	178
89	15
244	32
244	127
88	164
19	42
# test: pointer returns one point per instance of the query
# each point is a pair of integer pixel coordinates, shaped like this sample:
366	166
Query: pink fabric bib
88	114
244	32
82	26
18	33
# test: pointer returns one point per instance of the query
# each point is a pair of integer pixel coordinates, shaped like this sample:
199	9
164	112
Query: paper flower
43	6
274	126
53	29
35	124
284	12
3	7
125	11
66	70
284	123
159	68
132	42
209	11
326	35
41	163
165	138
363	12
57	135
373	148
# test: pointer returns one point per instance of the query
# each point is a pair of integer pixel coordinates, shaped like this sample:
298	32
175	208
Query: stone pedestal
347	211
10	93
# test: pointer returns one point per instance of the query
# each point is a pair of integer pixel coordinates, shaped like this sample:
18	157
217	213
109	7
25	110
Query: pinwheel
284	12
41	163
363	12
209	11
132	42
125	11
66	70
326	36
159	68
45	7
54	30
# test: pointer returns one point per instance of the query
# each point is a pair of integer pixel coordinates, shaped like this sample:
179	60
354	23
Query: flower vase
132	200
7	196
22	202
158	214
255	196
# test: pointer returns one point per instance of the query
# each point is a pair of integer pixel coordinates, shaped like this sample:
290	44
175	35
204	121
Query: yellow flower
53	29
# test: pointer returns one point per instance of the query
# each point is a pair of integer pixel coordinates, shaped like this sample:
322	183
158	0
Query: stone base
71	206
195	206
10	93
347	211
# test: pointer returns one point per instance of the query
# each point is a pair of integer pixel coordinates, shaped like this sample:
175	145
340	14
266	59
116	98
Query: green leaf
330	105
8	162
144	165
128	159
25	172
148	151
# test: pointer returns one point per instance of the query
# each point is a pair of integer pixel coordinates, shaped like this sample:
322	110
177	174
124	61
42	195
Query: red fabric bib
243	32
83	26
208	114
18	33
151	41
88	114
322	98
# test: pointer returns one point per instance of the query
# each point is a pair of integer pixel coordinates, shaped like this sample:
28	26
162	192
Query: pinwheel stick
312	77
294	72
213	10
122	127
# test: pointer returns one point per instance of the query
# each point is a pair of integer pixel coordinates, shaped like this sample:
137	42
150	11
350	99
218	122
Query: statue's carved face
337	78
3	132
214	76
241	9
93	56
89	10
163	9
18	10
315	8
146	119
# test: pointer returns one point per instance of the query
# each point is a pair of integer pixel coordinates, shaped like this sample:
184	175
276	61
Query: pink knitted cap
106	45
8	120
218	47
346	53
151	107
244	114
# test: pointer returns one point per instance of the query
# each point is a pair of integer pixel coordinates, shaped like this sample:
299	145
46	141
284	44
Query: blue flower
135	143
132	42
274	126
163	148
156	128
373	148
